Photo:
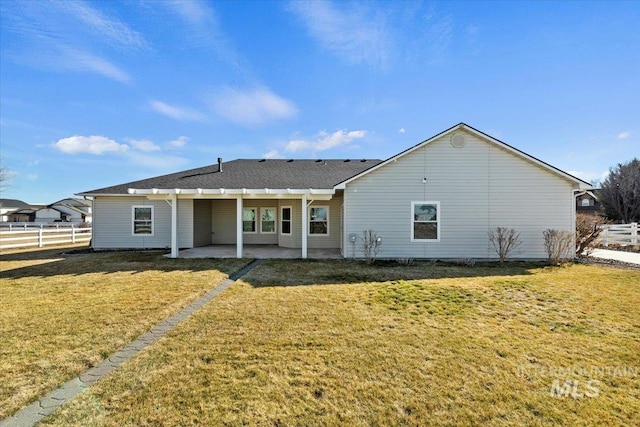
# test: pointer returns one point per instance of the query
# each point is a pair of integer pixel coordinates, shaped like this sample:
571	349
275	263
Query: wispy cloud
89	144
624	135
401	130
179	142
357	35
74	60
175	112
143	145
250	107
107	29
68	36
203	28
325	141
272	154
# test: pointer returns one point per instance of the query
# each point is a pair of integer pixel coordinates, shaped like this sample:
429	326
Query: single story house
437	199
75	211
8	206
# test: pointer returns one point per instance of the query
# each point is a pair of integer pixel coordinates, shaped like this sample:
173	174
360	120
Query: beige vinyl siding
185	223
223	226
202	222
113	229
478	186
332	240
112	226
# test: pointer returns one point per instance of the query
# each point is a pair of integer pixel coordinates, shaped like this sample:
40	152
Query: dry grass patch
61	314
437	345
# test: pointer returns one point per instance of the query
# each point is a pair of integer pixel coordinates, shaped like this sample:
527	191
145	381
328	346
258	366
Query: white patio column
174	226
239	227
304	226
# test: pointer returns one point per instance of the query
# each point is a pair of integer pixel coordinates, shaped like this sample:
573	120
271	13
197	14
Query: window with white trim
142	220
285	220
249	220
267	220
319	220
586	202
425	221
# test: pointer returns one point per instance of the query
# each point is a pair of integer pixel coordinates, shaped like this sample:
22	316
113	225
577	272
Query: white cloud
251	107
179	142
85	61
272	154
143	145
589	176
157	161
89	144
624	135
177	113
357	36
401	130
32	177
325	141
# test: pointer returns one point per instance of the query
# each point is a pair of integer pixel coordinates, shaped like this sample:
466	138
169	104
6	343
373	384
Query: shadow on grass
280	272
71	261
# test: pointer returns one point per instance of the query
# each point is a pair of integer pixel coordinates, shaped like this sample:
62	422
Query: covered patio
257	251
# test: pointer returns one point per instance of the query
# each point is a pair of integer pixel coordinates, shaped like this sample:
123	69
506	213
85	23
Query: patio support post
174	226
304	226
239	227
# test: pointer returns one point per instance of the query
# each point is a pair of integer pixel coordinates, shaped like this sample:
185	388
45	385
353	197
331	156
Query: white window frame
309	221
282	220
437	221
133	220
275	220
583	204
255	220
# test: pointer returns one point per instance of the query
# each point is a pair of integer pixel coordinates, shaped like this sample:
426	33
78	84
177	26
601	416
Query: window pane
425	212
318	214
268	214
142	214
425	230
248	215
142	227
268	226
286	214
318	227
249	226
286	227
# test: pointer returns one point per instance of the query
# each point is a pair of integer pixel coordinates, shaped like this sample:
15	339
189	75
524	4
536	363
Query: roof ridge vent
290	160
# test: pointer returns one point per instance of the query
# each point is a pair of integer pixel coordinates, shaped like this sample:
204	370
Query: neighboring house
587	203
25	214
437	199
7	206
73	210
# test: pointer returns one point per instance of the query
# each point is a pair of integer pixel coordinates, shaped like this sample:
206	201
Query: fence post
604	237
40	242
73	234
634	233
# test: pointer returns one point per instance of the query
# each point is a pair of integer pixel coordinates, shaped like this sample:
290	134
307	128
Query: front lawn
61	314
341	343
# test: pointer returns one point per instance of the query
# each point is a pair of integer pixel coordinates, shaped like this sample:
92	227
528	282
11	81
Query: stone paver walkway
32	414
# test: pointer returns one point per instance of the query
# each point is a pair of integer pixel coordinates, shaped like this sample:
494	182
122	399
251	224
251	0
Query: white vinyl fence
40	235
620	234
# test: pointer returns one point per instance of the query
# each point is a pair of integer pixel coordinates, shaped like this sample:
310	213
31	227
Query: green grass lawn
342	343
61	314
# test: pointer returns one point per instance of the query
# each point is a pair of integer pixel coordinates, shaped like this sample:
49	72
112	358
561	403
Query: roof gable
462	126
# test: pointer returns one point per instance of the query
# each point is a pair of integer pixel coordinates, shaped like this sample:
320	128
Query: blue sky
99	93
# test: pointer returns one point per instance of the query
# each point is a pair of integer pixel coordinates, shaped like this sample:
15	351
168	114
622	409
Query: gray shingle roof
13	203
253	174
